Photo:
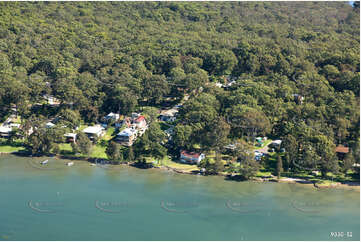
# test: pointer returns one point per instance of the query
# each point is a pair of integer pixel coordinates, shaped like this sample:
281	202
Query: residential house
167	118
112	117
70	137
169	115
5	131
49	125
127	136
276	143
341	151
140	123
191	157
95	131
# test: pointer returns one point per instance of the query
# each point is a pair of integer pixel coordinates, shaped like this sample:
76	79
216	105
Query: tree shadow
237	178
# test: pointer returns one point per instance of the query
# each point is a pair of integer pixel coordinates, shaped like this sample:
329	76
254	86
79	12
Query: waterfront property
191	157
127	136
5	131
70	137
93	132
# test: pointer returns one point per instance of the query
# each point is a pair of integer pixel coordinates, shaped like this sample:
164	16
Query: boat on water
70	163
44	162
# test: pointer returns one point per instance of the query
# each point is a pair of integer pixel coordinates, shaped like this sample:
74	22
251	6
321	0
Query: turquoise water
84	202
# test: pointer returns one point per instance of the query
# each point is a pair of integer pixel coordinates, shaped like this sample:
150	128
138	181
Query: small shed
341	151
70	137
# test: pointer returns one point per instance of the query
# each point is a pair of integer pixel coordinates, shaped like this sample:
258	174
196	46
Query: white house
70	137
49	125
5	131
140	123
127	136
112	117
191	157
276	143
94	131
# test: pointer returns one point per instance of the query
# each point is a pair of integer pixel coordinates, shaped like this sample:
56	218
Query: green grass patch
10	148
109	134
166	161
263	173
98	152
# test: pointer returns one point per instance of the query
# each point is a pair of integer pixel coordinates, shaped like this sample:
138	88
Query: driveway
263	149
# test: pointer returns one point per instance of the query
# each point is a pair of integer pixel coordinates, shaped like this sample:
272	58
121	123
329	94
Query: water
83	202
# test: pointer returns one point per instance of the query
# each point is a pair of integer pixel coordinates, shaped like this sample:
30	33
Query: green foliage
43	140
150	143
83	143
117	57
113	152
279	167
249	167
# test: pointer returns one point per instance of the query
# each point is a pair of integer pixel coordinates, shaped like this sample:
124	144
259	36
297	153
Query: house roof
190	154
140	119
72	135
49	124
93	129
5	129
278	142
127	132
342	149
111	114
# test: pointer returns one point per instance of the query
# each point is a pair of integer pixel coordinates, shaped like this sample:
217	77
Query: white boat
70	163
44	162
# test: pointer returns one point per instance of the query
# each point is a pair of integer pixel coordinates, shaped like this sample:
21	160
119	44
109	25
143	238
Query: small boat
44	162
70	163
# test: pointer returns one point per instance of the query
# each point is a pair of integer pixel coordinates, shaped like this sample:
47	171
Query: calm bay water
83	202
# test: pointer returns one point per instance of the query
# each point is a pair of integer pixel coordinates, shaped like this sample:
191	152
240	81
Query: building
127	136
276	143
51	100
111	117
140	122
169	115
49	125
191	157
94	131
5	131
167	118
341	151
70	137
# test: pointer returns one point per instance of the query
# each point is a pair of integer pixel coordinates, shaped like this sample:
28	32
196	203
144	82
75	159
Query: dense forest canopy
120	56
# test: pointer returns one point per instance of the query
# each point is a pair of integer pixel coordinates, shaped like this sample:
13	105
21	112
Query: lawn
109	134
98	151
9	148
166	161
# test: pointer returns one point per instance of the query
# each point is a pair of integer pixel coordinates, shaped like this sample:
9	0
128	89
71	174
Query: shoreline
354	186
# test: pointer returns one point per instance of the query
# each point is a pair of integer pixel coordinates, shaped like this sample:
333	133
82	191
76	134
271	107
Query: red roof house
191	157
